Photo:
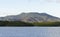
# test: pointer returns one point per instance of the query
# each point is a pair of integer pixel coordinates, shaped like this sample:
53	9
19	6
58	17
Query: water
29	31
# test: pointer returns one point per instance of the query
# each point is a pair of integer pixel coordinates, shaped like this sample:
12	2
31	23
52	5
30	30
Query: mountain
31	17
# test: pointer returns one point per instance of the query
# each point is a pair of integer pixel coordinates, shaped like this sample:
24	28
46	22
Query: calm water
29	31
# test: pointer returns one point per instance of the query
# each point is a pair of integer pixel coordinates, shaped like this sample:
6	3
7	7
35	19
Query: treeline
47	24
14	23
20	23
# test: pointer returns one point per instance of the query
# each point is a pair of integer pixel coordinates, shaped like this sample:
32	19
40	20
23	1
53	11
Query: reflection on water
29	31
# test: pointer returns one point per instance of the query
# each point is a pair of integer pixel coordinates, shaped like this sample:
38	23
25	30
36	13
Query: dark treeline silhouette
20	23
14	23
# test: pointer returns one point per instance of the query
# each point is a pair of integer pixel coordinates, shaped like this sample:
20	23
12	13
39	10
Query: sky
14	7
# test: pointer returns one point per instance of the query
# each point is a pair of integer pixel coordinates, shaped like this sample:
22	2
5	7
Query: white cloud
57	1
50	0
53	1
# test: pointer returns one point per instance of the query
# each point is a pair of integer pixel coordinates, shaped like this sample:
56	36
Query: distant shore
20	24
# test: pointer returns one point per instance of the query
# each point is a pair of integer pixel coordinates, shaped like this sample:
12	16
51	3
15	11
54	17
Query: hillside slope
31	17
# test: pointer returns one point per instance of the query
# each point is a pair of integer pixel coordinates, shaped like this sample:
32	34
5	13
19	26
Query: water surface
29	31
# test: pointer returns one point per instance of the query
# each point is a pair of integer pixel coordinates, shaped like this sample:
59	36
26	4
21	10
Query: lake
29	31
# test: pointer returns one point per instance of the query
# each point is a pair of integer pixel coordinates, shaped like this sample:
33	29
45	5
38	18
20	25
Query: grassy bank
47	24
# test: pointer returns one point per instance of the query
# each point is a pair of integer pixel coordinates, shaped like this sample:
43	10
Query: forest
20	23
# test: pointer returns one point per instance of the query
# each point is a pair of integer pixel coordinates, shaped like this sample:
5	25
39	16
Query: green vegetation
14	23
47	24
19	23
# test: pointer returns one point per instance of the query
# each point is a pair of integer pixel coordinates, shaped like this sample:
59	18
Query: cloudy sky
13	7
